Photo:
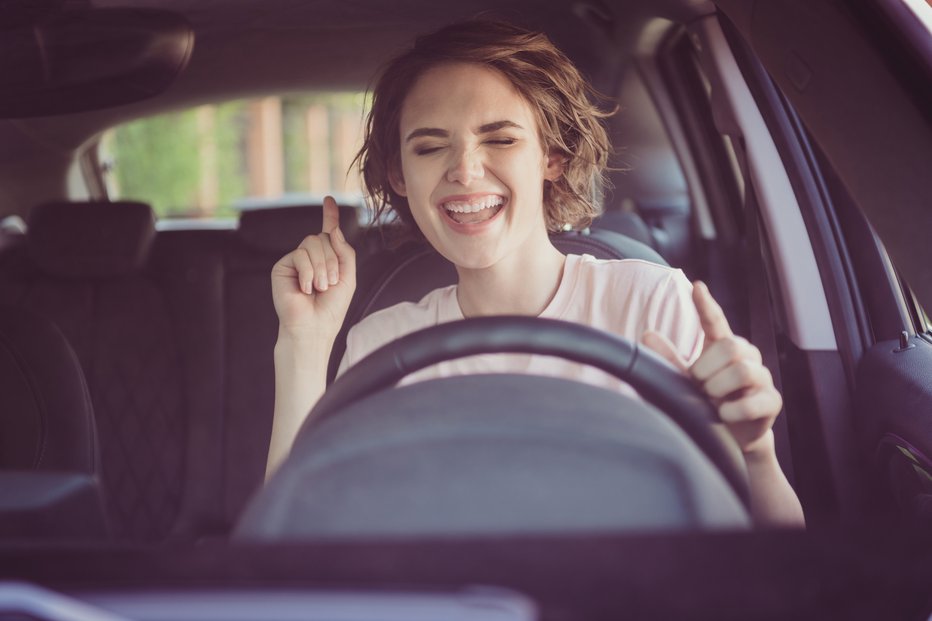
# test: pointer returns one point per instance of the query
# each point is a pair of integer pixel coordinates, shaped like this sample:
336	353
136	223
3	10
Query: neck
522	283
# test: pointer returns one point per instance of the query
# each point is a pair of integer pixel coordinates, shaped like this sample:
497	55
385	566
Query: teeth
474	206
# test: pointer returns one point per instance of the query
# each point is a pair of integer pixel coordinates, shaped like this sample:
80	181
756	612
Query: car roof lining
231	59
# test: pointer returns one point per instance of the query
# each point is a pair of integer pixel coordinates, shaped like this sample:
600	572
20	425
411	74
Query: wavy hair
569	122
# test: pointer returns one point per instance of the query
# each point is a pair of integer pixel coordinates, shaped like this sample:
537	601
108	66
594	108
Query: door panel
894	419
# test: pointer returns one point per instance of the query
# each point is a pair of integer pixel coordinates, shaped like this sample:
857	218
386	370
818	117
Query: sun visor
78	60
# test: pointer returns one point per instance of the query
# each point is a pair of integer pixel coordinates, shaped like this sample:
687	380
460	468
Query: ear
556	164
397	180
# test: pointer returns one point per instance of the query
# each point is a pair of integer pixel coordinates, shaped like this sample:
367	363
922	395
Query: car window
212	160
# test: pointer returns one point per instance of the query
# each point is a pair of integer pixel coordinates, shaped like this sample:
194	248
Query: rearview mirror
82	60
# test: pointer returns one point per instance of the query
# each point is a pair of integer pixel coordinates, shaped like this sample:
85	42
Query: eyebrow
442	133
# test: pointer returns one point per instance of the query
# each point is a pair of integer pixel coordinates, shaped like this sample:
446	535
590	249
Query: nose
466	166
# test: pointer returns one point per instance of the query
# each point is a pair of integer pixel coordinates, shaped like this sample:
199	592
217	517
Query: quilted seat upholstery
82	268
46	416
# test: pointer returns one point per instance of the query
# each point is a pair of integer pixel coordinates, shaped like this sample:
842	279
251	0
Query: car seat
48	441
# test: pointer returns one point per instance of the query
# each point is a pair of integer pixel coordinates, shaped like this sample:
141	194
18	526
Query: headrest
281	229
90	239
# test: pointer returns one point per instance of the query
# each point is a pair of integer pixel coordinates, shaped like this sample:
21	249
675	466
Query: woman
482	139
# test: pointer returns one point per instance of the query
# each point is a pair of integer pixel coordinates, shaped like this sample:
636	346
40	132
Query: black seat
278	230
46	416
627	223
49	464
84	268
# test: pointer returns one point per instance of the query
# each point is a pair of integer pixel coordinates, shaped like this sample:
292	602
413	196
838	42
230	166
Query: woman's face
472	165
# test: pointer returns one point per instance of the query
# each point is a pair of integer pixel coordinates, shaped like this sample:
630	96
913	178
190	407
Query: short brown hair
570	124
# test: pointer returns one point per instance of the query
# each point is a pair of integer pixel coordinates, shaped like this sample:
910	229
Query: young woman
482	139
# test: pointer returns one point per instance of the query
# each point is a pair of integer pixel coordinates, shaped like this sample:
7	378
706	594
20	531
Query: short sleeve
350	354
672	313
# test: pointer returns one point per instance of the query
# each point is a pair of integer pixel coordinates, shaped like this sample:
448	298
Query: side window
920	316
212	160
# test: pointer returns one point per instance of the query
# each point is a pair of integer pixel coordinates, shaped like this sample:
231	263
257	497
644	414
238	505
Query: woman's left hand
731	372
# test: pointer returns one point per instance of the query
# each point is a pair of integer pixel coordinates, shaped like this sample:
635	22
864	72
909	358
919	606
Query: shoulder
631	296
633	276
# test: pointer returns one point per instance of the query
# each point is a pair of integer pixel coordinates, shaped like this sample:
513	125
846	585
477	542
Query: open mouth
474	211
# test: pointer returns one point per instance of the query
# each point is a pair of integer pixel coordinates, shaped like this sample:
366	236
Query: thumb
661	345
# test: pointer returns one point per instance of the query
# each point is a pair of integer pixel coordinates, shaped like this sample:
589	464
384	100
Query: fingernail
322	285
308	287
334	279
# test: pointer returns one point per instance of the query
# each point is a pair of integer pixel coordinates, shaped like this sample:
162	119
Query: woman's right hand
312	285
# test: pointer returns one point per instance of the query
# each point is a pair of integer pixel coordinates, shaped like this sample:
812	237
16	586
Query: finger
331	217
721	354
661	345
346	256
757	405
313	245
304	271
713	320
330	260
741	376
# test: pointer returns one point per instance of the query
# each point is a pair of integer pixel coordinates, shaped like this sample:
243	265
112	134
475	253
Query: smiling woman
468	140
471	140
777	151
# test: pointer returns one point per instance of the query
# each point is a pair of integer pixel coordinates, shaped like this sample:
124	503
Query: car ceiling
253	47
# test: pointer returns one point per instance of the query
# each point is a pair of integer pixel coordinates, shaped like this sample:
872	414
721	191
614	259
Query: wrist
298	351
762	451
305	337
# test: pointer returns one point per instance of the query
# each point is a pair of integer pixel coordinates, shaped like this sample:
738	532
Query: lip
470	229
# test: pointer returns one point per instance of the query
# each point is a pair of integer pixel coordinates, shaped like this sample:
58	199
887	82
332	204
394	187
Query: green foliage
230	127
157	161
294	141
163	160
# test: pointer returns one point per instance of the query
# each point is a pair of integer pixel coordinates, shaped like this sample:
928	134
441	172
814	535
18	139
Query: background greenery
159	160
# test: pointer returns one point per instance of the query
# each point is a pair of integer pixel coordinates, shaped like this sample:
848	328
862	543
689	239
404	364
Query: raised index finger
331	215
711	315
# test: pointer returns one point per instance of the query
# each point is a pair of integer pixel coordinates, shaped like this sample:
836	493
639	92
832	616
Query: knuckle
747	371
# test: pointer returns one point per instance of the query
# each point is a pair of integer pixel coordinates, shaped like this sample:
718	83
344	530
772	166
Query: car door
844	91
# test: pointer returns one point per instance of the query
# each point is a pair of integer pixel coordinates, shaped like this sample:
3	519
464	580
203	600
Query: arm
311	288
300	380
731	372
773	501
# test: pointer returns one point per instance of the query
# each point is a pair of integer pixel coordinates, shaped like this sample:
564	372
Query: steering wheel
652	377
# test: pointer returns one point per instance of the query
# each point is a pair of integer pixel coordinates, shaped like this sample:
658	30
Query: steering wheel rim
674	394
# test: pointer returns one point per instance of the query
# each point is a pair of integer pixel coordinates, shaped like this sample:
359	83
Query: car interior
777	151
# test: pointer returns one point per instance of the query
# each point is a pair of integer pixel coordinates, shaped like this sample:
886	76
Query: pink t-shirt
625	297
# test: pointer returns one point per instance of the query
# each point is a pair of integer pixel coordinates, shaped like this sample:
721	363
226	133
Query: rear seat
175	332
83	267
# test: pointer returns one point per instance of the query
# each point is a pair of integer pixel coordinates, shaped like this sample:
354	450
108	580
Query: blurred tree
157	160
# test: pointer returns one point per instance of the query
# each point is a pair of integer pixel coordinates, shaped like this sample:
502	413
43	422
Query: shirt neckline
555	309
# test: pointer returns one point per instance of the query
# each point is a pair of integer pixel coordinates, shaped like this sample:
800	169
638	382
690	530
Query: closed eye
426	150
